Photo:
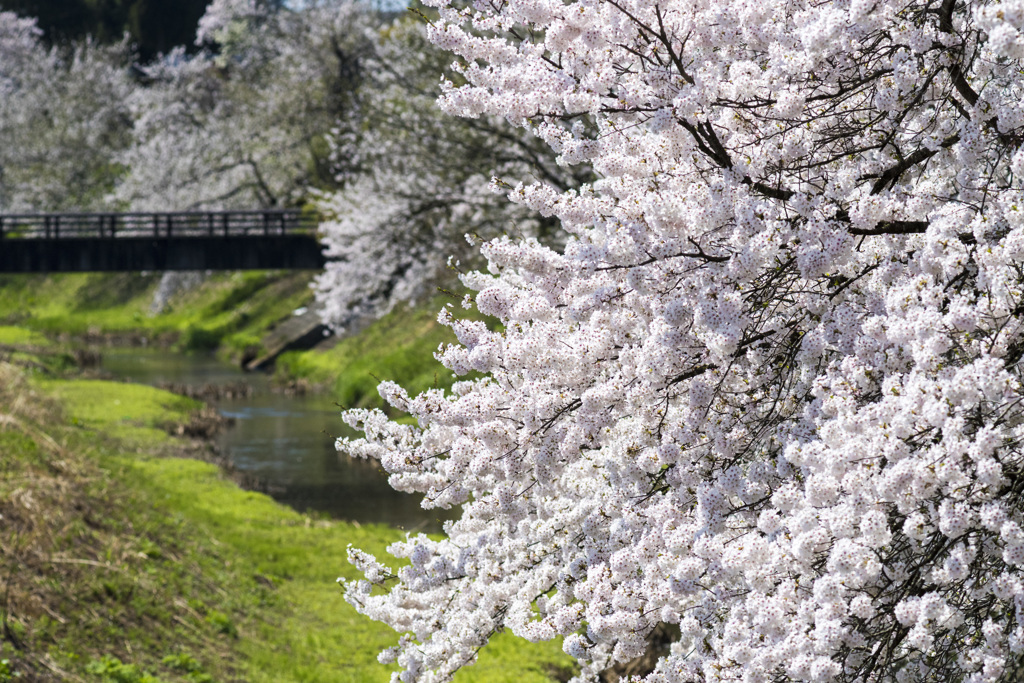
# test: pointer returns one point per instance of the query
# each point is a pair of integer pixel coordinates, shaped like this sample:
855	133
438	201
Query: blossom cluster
231	128
769	392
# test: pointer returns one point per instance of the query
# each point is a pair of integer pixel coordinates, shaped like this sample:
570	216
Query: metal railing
52	226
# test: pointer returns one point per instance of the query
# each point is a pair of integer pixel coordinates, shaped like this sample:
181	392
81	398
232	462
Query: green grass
399	347
93	573
191	577
313	634
230	311
310	630
76	303
20	337
134	413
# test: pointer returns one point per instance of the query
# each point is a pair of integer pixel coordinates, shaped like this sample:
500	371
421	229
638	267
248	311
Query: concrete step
297	333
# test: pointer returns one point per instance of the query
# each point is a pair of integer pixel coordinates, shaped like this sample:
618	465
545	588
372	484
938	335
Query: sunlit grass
399	347
91	569
20	337
230	310
267	572
207	559
132	412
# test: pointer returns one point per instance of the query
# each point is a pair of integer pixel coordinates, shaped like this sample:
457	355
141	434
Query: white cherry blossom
769	392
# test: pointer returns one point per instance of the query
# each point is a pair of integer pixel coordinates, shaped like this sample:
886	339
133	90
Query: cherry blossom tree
768	396
62	119
415	182
244	126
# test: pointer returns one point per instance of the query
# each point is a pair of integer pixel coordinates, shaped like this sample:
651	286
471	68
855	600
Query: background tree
246	126
63	116
769	392
415	182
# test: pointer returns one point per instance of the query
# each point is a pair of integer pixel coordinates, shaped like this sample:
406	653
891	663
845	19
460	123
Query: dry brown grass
77	577
50	511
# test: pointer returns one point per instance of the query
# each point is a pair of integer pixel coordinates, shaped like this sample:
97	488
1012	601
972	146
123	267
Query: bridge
156	241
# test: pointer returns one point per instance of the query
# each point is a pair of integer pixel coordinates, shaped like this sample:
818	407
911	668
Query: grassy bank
125	561
229	311
399	347
122	561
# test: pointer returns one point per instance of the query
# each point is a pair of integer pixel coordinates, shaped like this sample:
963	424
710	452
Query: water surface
286	443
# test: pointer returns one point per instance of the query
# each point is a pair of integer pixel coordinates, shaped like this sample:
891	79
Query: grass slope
172	572
399	347
93	574
121	562
229	310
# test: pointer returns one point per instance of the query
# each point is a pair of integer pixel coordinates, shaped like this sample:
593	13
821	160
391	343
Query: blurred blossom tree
244	126
416	182
62	118
767	397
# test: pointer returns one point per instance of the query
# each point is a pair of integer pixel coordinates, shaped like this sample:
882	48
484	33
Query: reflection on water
285	442
162	366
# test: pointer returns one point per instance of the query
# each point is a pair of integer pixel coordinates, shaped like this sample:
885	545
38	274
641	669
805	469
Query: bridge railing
50	226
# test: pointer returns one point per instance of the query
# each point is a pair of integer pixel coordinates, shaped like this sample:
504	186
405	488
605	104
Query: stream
285	443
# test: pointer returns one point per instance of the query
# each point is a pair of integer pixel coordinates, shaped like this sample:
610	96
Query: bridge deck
213	240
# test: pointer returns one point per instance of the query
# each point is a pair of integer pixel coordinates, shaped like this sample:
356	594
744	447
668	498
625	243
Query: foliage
222	623
113	670
6	673
769	393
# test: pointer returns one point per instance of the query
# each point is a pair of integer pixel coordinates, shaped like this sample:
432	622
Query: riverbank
121	559
398	347
125	560
230	312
